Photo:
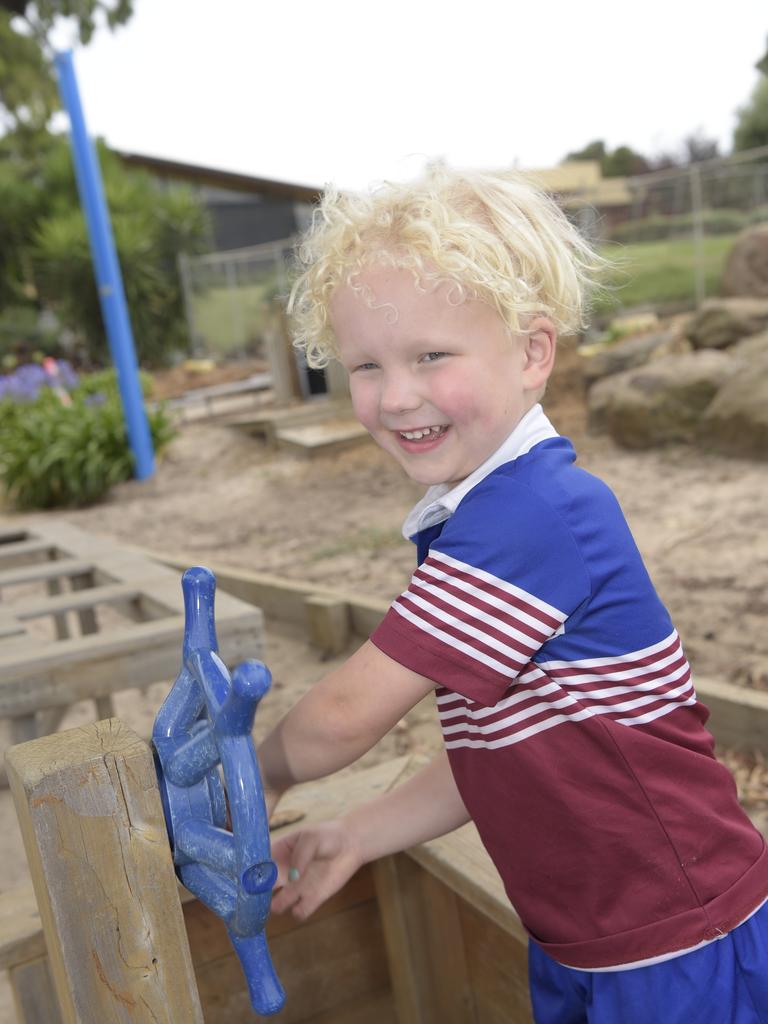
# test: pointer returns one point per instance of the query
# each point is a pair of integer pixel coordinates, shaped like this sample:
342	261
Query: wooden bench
425	937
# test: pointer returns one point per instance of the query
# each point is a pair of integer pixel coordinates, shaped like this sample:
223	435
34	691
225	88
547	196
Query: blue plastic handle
206	721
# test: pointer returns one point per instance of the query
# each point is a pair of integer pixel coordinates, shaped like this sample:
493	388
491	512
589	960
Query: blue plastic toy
206	720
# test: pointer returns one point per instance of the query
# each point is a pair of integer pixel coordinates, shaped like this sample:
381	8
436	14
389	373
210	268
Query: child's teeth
416	435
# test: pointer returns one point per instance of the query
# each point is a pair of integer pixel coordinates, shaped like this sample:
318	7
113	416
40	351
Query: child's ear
539	352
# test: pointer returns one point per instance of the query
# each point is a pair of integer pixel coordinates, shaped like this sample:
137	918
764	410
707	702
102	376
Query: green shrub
104	383
57	456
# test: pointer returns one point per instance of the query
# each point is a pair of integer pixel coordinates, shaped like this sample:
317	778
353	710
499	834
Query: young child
573	736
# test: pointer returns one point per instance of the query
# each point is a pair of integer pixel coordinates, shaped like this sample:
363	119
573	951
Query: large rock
736	421
746	270
661	402
750	350
722	322
632	352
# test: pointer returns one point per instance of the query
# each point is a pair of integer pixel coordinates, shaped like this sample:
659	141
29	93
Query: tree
623	162
594	151
697	147
752	124
762	64
28	93
620	163
45	259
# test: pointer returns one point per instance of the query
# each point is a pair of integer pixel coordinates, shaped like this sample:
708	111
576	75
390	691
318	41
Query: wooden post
405	971
425	945
328	624
94	832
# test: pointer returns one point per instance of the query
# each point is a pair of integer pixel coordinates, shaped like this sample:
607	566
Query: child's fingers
313	864
293	855
285	898
282	854
304	852
323	880
302	896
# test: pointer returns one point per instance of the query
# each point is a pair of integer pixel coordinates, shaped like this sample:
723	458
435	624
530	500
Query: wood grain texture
404	938
453	1001
498	970
94	833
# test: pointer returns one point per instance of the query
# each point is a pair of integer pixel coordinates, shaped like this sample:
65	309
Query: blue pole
107	271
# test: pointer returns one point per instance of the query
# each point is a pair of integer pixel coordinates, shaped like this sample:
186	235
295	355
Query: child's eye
431	357
364	366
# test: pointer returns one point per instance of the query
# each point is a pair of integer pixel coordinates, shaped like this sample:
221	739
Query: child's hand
313	864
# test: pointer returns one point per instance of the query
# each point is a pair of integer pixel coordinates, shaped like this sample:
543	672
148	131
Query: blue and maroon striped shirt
569	713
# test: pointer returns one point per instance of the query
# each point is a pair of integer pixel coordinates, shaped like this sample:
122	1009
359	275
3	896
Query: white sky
350	91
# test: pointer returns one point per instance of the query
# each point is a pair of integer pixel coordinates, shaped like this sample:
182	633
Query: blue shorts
724	982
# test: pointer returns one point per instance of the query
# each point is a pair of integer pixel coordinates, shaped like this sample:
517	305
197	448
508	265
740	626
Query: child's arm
340	719
327	855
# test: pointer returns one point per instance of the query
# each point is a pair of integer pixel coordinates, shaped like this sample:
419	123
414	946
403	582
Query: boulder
752	349
630	353
746	269
736	421
661	402
722	322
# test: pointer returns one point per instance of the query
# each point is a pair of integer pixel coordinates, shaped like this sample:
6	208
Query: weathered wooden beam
95	838
328	624
33	993
404	940
87	667
452	997
25	551
45	571
283	598
75	600
739	713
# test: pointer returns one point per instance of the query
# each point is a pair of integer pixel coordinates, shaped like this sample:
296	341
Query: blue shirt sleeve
501	579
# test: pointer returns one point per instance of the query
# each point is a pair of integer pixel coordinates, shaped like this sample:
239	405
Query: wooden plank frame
425	937
97	663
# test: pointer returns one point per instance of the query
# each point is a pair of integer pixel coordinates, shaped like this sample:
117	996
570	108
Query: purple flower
26	382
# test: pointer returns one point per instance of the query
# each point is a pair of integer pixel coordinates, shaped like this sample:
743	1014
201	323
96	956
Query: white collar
442	500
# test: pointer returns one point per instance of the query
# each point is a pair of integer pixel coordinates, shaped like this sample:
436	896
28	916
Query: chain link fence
670	232
234	300
668	235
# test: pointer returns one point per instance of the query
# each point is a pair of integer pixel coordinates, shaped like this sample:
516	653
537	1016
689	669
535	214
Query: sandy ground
220	497
699	520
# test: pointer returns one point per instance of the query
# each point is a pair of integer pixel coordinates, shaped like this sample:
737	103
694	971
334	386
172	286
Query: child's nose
399	394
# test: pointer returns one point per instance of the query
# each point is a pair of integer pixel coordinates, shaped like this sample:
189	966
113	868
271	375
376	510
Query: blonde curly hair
492	235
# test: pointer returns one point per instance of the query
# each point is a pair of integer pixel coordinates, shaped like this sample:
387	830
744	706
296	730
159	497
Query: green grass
232	321
652	273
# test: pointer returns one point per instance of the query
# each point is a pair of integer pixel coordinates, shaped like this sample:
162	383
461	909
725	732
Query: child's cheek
364	402
458	403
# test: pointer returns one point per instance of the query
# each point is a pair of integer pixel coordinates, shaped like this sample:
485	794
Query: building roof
215	178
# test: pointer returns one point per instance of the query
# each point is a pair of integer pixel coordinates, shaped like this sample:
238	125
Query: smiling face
439	385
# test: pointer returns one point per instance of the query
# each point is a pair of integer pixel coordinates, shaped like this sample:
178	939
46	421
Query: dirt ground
220	497
699	520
